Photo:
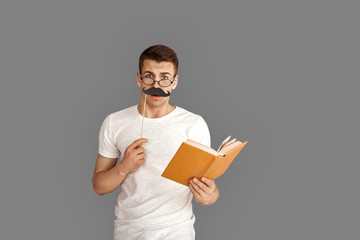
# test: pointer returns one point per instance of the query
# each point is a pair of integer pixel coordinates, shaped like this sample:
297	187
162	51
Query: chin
156	103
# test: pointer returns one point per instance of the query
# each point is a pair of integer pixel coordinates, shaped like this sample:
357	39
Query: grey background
283	75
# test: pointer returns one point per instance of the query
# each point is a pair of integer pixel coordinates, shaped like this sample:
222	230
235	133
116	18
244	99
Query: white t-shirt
150	206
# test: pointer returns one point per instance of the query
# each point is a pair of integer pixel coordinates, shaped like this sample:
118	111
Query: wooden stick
143	113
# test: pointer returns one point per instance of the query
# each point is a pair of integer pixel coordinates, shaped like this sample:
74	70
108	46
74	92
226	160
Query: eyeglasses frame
159	81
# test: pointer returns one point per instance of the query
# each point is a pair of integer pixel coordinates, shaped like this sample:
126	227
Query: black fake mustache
156	91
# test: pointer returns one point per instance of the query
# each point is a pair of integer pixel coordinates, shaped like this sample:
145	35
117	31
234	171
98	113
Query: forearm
107	181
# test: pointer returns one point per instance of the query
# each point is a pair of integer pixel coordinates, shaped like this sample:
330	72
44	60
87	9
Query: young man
150	206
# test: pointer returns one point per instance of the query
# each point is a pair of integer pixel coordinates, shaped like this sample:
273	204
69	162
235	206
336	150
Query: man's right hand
134	156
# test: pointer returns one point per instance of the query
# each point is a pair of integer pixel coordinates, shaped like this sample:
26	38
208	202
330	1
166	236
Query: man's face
157	71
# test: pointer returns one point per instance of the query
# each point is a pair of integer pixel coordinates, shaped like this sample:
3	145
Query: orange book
194	159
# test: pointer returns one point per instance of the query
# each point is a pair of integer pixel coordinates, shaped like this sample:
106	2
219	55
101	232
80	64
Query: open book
194	159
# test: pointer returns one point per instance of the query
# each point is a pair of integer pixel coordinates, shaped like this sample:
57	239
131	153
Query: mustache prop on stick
156	92
151	91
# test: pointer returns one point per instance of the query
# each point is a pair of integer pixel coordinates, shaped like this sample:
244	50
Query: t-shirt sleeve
107	147
200	132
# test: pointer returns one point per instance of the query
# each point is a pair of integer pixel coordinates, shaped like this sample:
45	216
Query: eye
165	77
148	76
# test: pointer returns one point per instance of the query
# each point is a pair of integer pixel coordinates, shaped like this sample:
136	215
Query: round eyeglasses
162	83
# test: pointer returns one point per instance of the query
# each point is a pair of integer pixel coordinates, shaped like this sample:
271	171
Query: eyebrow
160	73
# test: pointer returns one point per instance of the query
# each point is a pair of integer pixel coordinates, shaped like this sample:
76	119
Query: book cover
194	161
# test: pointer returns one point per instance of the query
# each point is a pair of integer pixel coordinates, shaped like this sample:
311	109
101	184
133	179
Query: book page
230	147
202	146
230	142
226	140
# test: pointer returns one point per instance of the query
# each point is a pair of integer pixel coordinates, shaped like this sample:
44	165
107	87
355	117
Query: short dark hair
159	53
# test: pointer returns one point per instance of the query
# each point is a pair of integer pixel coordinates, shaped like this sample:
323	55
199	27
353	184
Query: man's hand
134	157
205	190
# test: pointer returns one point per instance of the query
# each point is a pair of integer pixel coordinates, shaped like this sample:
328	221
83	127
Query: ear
173	86
138	81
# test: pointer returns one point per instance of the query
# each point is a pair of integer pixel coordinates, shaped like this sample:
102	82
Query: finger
137	143
201	184
210	183
139	150
136	152
196	194
198	186
141	142
142	155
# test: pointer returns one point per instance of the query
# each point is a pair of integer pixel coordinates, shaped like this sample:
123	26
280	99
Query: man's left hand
205	190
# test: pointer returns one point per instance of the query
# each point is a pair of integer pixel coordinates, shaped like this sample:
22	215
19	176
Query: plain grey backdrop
283	75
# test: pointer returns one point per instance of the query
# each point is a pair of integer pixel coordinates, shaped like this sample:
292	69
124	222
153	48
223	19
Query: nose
156	84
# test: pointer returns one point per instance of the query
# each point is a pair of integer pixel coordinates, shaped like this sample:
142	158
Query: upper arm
200	132
104	163
107	143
